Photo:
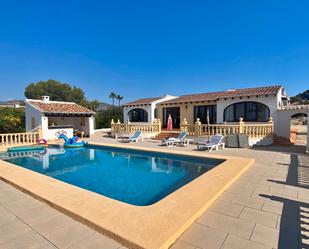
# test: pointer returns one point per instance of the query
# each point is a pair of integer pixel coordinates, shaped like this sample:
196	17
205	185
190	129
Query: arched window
155	113
138	115
249	111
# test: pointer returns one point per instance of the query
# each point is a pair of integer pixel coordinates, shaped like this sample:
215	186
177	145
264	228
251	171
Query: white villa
57	116
253	105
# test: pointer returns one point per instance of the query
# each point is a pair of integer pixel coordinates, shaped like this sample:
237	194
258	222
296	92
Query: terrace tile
235	242
227	224
204	237
226	208
259	217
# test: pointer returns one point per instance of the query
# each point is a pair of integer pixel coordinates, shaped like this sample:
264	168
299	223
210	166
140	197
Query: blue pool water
135	177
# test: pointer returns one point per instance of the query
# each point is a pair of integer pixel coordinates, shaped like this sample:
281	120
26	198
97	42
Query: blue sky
151	48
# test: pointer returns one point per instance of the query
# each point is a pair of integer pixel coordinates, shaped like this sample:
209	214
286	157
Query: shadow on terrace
294	224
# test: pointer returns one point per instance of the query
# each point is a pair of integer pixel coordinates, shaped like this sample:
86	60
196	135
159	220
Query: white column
44	122
91	125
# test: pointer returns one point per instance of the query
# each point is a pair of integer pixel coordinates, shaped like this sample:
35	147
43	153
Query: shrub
12	120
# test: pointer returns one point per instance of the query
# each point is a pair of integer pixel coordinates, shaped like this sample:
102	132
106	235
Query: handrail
153	128
257	130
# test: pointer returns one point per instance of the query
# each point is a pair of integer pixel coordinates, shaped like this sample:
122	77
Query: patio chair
136	136
214	143
175	140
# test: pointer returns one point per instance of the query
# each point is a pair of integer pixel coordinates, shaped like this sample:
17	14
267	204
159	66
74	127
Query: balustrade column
183	125
241	126
197	127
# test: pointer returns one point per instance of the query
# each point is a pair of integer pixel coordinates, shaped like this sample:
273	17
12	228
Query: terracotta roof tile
142	101
258	91
60	107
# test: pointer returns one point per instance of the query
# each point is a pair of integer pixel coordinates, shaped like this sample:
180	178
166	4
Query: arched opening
138	115
250	112
298	129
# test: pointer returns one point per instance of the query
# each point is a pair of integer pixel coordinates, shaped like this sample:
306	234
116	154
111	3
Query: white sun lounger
175	140
137	135
214	143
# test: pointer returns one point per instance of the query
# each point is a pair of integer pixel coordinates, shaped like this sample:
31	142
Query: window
249	111
155	113
138	115
201	113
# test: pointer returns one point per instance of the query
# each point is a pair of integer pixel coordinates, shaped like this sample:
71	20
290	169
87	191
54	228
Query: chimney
45	99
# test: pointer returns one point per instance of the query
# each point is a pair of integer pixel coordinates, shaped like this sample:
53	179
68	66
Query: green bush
103	118
12	120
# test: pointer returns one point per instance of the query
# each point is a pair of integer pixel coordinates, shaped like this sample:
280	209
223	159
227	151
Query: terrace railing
150	129
7	139
254	130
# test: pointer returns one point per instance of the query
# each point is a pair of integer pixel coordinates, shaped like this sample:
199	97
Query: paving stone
259	217
94	241
52	223
289	224
29	240
226	208
68	235
283	192
12	230
227	197
273	207
275	238
248	202
227	224
265	235
22	205
204	237
179	244
35	214
235	242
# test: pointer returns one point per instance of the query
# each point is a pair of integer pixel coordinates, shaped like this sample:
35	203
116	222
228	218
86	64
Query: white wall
32	112
50	134
150	108
284	121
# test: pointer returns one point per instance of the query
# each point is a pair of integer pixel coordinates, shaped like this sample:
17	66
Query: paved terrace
267	207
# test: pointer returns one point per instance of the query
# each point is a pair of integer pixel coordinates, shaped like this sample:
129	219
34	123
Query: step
166	135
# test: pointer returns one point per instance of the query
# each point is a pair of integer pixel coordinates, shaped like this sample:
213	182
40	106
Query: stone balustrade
150	129
7	139
254	130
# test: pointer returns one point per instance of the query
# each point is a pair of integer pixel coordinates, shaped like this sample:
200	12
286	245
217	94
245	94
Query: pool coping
156	226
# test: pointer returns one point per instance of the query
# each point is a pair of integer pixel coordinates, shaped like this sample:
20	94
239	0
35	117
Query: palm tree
112	96
119	98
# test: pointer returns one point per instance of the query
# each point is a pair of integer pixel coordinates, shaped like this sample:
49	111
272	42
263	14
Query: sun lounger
214	143
175	140
137	135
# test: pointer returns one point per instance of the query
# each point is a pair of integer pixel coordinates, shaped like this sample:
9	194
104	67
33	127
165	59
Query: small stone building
57	116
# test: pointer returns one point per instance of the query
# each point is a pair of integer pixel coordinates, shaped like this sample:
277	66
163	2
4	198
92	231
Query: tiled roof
59	107
257	91
142	101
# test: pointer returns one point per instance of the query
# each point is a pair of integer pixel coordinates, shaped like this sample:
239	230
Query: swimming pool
132	176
